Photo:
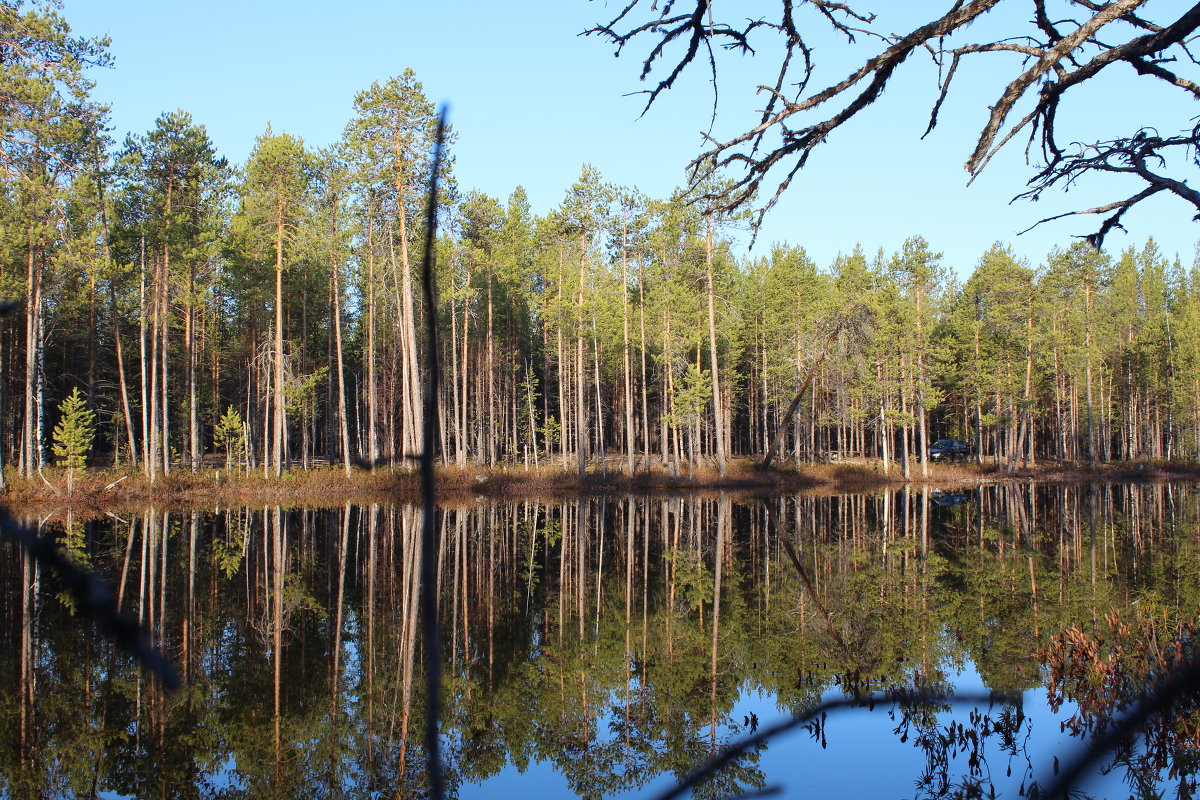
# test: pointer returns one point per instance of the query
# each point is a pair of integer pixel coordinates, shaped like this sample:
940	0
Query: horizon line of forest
267	313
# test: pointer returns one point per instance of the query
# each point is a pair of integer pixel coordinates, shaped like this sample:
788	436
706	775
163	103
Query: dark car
948	450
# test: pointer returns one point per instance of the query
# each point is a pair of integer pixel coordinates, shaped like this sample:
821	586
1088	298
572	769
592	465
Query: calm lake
605	647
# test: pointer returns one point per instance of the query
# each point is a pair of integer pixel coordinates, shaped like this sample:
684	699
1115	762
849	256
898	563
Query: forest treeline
266	314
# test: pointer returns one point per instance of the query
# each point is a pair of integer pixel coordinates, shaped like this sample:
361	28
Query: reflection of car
948	450
950	498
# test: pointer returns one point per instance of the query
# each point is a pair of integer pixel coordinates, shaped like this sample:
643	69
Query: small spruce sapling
73	435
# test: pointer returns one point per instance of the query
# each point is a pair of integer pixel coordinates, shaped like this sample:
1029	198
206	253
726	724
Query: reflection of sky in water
862	757
957	592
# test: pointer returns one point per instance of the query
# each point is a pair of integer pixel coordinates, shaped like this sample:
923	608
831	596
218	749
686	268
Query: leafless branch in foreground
735	749
95	597
429	544
1063	45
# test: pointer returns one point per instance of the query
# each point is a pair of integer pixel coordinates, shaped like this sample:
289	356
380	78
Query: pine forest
267	316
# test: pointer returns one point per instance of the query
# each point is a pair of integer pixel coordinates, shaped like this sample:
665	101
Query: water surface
605	647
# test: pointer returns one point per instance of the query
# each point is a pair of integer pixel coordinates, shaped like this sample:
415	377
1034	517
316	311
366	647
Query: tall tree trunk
343	422
491	374
372	372
905	450
466	370
459	455
147	400
32	345
1025	437
978	402
1091	430
121	381
91	338
883	433
190	348
669	395
645	383
563	417
410	372
625	345
718	410
155	407
921	411
278	430
164	300
600	443
581	427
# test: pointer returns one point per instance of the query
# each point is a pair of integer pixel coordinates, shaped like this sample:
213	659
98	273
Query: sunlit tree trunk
372	373
718	410
278	429
33	307
581	421
148	456
343	421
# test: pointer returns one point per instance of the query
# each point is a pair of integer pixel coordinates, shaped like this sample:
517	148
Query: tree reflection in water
620	642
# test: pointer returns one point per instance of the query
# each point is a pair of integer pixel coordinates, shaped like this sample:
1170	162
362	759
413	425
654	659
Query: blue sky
532	101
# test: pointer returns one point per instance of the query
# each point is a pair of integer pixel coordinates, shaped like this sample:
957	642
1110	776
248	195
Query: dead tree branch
1056	55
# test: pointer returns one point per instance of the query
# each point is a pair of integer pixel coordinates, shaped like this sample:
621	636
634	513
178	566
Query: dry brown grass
97	490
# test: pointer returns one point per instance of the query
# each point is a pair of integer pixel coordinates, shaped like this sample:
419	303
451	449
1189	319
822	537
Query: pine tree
275	196
387	146
230	434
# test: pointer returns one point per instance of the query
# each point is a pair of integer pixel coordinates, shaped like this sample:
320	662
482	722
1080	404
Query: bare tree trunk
147	400
91	338
1025	437
718	410
562	398
459	454
190	347
32	345
122	383
581	432
372	376
466	371
279	429
921	421
491	373
883	429
600	443
155	406
669	399
1091	431
625	345
645	385
905	451
410	372
164	289
343	422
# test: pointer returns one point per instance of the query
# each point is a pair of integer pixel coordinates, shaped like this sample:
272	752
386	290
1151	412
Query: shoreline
100	491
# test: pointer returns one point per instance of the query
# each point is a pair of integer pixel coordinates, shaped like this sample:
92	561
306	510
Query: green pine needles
73	435
231	435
